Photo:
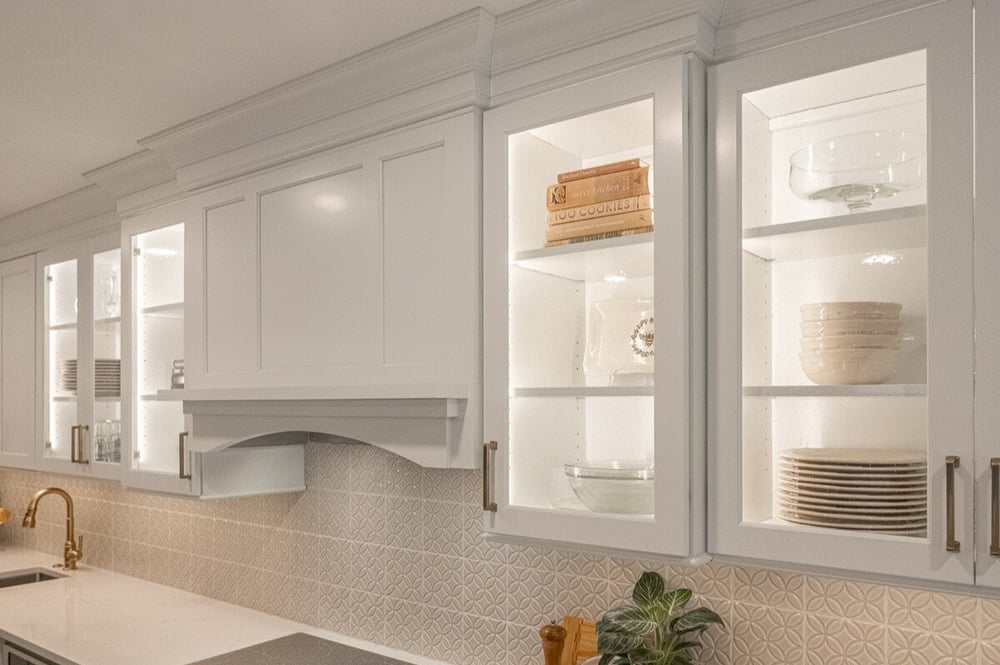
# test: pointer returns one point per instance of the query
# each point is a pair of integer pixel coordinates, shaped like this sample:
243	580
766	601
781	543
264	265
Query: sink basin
29	576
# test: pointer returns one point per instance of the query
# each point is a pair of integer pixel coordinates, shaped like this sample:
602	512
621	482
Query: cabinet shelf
881	390
107	321
898	228
625	256
73	398
173	310
64	326
587	391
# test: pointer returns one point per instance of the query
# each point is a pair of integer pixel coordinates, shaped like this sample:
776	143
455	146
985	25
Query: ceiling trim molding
74	216
450	59
556	43
751	26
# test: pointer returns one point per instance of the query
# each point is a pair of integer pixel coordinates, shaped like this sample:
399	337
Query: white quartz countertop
97	617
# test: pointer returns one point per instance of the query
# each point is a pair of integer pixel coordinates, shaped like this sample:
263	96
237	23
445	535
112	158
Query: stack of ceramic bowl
850	342
860	489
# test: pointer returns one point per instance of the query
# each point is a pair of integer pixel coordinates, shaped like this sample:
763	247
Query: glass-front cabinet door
80	293
841	299
590	291
154	282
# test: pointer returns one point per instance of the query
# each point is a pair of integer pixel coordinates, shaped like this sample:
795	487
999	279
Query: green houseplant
654	628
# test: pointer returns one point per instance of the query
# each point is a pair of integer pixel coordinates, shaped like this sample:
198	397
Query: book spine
603	169
575	193
615	207
598	236
629	220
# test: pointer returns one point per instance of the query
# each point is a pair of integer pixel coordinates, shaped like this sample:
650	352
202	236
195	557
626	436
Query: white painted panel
422	238
17	363
230	286
158	428
317	257
161	267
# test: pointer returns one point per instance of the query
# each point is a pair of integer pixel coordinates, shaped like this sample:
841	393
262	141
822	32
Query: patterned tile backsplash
383	550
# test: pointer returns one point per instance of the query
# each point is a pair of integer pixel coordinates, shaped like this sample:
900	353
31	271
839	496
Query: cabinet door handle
76	444
995	506
951	463
488	504
180	452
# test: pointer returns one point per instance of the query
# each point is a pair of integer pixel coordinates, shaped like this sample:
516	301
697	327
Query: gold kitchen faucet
72	549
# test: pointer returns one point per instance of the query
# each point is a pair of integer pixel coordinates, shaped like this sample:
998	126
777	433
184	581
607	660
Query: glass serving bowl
613	486
857	168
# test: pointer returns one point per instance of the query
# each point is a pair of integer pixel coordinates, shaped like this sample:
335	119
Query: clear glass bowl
857	168
613	486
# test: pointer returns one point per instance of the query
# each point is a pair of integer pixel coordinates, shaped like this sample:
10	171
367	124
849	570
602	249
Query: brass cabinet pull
995	506
951	463
488	505
180	451
76	443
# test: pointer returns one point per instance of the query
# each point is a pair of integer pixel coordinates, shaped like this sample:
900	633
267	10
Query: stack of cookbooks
599	202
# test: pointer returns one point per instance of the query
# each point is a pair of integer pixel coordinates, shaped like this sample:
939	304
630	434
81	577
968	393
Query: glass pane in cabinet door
106	438
581	313
834	297
61	371
158	260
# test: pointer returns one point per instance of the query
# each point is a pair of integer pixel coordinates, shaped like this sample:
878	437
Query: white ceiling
81	82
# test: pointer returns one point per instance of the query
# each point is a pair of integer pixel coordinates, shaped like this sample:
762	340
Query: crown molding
750	26
428	73
555	43
131	174
73	216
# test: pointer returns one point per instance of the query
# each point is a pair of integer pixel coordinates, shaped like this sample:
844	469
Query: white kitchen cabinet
772	251
153	339
987	467
357	267
17	363
553	394
156	430
79	323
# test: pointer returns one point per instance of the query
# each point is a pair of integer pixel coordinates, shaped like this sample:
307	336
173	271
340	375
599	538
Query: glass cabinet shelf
859	233
880	390
592	260
586	391
167	310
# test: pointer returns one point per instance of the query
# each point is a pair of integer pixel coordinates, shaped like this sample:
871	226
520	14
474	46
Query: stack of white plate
877	490
107	376
853	342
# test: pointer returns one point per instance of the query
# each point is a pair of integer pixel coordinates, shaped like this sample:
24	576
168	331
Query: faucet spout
72	548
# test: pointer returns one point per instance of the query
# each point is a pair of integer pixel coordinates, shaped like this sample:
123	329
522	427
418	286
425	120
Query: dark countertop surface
299	649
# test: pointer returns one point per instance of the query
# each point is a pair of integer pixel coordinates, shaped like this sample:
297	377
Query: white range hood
428	425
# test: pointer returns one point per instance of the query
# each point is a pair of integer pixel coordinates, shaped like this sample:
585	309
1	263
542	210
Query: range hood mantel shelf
424	426
373	392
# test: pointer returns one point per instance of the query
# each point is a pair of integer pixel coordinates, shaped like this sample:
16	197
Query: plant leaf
672	601
645	656
648	589
629	619
610	642
697	619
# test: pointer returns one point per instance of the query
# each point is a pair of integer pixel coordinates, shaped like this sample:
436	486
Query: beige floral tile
769	587
442	527
948	614
532	597
710	579
442	485
404	625
831	641
846	599
486	589
442	579
438	638
404	575
333	611
908	647
766	635
490	642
